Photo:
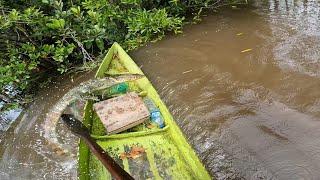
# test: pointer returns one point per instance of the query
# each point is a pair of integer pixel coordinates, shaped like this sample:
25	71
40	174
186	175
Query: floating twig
187	71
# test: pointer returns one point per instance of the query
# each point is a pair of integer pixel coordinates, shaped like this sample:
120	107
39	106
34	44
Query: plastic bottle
112	91
155	114
118	89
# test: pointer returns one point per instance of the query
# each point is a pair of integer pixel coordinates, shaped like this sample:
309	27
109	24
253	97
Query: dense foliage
55	36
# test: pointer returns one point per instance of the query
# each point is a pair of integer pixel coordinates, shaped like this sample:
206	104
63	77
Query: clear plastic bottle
155	114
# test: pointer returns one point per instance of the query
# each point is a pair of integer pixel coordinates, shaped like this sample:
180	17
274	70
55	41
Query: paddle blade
74	125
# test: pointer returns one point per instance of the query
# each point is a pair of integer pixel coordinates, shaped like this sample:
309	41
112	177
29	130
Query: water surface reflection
253	114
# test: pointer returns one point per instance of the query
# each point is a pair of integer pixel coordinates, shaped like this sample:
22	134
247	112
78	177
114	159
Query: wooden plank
122	112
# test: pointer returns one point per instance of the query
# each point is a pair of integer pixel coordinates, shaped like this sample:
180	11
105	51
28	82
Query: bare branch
86	55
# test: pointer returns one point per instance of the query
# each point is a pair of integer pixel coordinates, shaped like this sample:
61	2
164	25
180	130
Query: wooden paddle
82	131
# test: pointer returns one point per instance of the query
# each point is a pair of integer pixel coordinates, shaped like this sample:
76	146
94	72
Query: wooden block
122	112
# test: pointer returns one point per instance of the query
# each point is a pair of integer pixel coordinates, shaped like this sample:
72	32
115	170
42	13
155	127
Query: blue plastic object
155	114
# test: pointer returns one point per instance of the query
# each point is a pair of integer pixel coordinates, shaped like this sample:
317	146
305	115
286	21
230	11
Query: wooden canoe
164	153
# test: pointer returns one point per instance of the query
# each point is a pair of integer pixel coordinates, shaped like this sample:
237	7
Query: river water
243	85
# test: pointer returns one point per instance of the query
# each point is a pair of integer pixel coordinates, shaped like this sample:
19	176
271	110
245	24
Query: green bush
54	36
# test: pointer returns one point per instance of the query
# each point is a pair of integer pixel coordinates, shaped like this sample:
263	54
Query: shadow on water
243	85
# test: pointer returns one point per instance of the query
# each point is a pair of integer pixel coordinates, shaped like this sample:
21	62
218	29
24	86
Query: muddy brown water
243	85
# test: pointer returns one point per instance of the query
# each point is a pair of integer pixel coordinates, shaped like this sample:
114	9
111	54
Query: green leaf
48	48
75	10
88	44
62	69
14	15
100	44
58	58
56	24
92	14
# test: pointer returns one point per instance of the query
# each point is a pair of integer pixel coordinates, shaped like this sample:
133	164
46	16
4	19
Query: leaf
62	70
100	44
135	152
70	48
56	24
48	48
88	44
246	50
92	14
58	58
75	10
60	23
150	126
14	15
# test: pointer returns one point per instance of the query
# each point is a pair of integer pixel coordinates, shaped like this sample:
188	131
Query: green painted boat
167	154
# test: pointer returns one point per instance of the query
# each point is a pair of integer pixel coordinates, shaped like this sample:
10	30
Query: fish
82	92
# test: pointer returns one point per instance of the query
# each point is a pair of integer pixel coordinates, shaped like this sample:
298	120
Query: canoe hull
167	154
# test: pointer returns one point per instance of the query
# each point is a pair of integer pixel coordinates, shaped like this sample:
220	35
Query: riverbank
48	38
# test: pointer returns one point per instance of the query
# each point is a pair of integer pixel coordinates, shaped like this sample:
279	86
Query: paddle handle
115	170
